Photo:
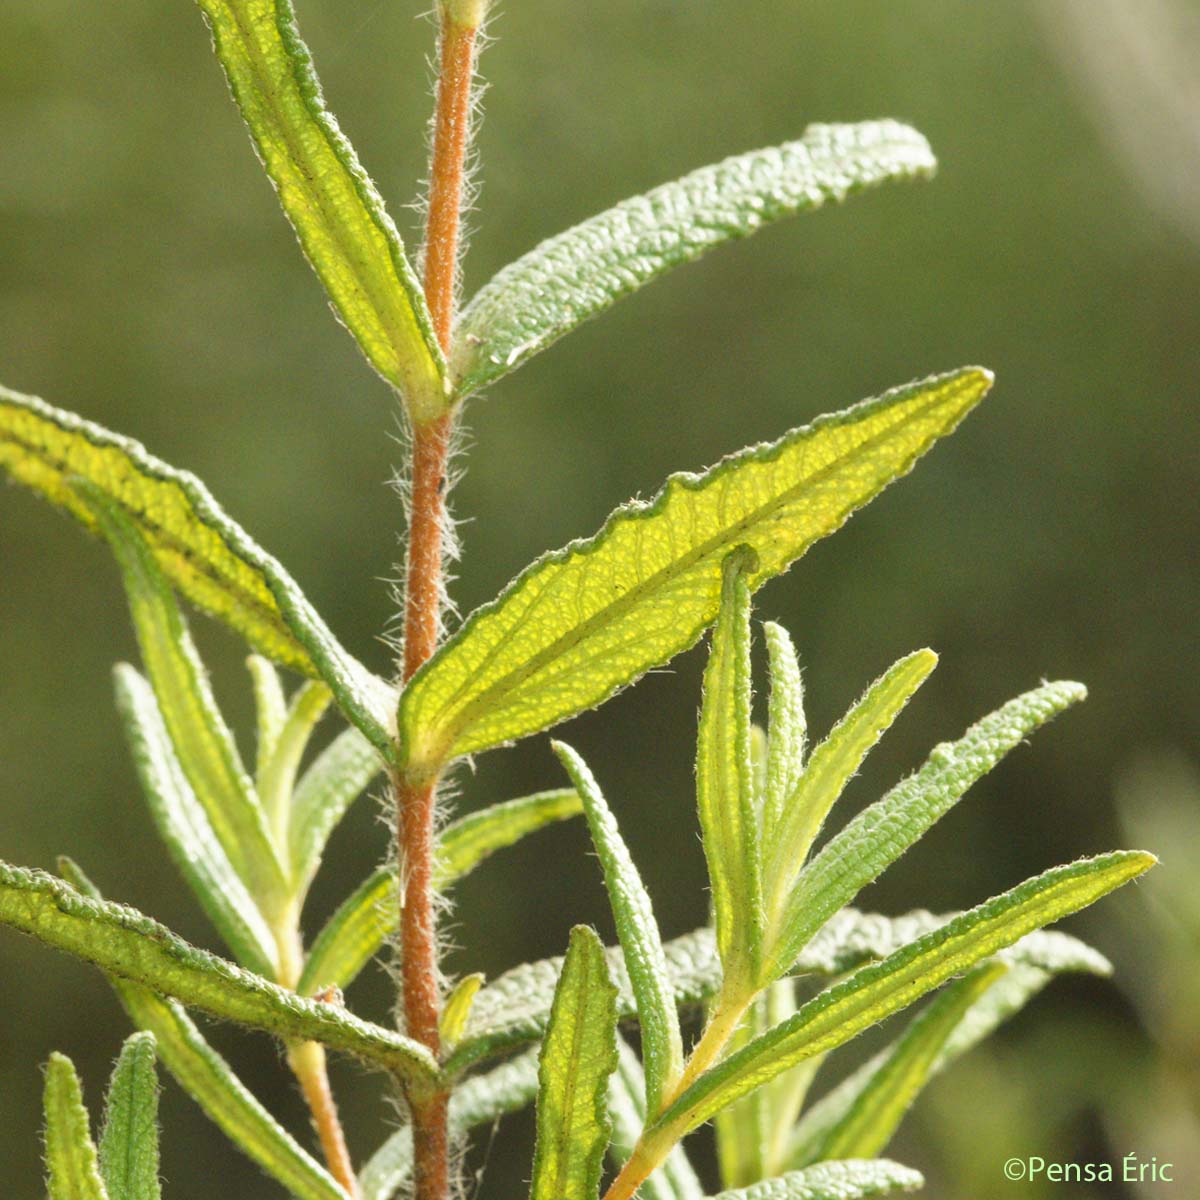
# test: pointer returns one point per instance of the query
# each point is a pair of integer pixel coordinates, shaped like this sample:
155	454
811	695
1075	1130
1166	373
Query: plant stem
307	1060
415	800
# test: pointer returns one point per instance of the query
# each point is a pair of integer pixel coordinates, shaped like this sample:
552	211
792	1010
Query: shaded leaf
123	942
637	930
576	275
206	556
880	835
187	831
875	992
129	1142
277	776
330	200
270	706
579	1053
71	1163
852	1180
582	622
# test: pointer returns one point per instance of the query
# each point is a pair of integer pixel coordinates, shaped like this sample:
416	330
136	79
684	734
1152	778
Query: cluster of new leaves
573	628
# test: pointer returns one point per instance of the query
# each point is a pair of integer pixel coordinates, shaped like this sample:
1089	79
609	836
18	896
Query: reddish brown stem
415	799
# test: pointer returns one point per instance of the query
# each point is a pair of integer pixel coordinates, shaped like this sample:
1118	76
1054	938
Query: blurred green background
148	281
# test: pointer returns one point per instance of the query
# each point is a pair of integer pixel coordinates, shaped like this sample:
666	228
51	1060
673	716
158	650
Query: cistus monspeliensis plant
787	972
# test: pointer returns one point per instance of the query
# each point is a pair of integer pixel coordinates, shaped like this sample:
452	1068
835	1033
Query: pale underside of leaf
787	726
207	557
577	274
578	1055
330	200
875	992
129	1143
71	1162
850	1180
513	1009
583	622
128	944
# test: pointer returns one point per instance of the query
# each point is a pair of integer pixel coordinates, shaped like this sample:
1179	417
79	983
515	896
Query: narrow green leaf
270	708
71	1163
830	768
578	274
1019	984
184	826
675	1179
465	843
330	200
457	1008
513	1009
207	557
210	1081
881	834
637	931
277	776
480	1100
851	1180
875	992
203	742
579	1053
124	942
367	918
786	725
868	1125
582	622
129	1141
725	783
337	777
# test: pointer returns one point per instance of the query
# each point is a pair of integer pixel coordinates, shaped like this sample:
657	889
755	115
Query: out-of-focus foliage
147	280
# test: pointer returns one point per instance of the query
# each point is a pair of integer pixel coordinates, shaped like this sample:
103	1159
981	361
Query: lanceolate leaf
725	793
71	1163
187	831
123	942
878	836
477	1101
578	274
637	930
788	727
129	1143
270	704
852	1180
210	1081
457	1008
512	1010
277	776
830	768
1019	984
865	1129
875	992
205	555
579	1053
203	741
332	204
675	1179
368	917
585	621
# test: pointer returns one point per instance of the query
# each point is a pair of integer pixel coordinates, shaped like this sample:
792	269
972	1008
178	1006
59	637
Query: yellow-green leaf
129	1142
333	206
457	1008
579	1053
207	557
72	1166
584	621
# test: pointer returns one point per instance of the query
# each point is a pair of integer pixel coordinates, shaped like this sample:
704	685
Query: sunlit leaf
457	1008
875	992
123	942
270	705
725	784
586	620
579	273
331	202
277	776
579	1053
788	728
71	1162
187	831
881	834
129	1141
210	1081
206	556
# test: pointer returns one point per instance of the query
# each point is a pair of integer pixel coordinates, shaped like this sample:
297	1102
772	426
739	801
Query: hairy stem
415	800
